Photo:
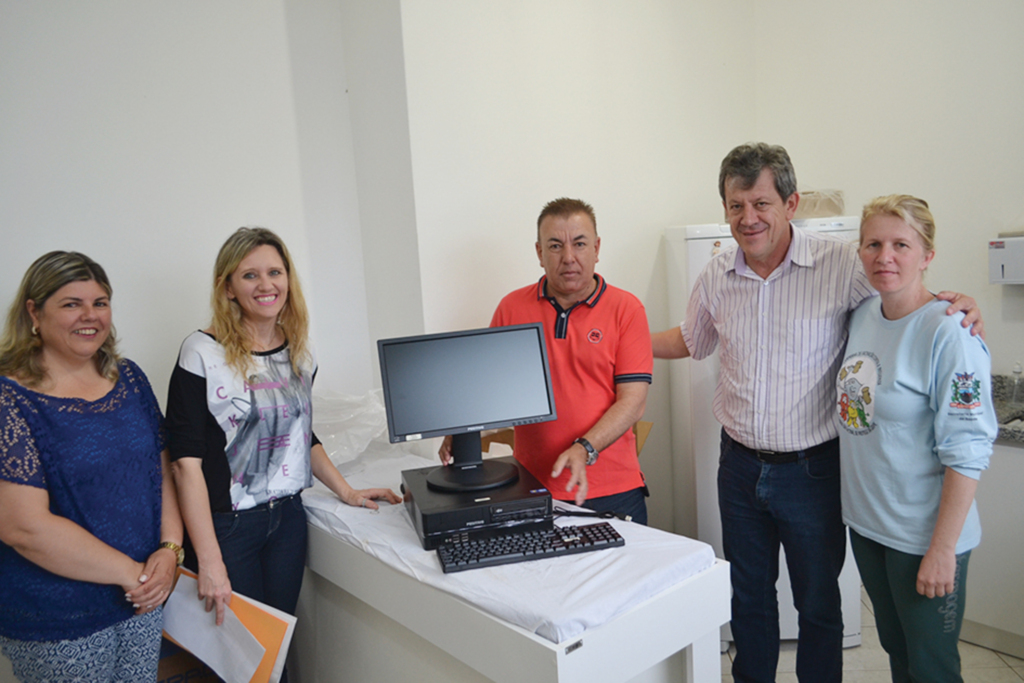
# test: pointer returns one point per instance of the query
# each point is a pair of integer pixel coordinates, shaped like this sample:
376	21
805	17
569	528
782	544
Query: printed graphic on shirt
266	419
966	393
855	388
594	336
267	453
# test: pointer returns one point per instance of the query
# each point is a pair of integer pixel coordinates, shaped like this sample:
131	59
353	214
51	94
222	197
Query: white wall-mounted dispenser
1006	259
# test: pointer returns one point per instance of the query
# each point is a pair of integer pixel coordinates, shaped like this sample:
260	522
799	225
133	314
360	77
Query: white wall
404	147
515	103
374	54
143	134
337	278
633	106
876	97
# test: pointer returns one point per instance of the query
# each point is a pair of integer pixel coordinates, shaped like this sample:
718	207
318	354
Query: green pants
921	635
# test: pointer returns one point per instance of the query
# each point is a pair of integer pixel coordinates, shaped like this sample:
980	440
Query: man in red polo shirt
599	352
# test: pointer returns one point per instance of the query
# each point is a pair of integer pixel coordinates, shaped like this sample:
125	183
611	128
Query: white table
361	619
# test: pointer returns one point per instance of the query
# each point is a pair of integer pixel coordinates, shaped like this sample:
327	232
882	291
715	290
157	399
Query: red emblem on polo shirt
594	336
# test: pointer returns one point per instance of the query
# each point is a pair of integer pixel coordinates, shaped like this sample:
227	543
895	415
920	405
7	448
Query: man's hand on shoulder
576	458
972	314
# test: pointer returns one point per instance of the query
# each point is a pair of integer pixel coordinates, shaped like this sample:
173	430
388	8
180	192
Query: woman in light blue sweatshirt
914	400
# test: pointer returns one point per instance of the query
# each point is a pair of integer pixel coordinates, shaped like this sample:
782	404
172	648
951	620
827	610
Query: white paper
230	650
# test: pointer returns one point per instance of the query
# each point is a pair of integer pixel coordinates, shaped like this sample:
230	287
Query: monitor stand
469	471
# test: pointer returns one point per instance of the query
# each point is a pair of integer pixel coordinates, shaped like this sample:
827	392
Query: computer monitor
461	383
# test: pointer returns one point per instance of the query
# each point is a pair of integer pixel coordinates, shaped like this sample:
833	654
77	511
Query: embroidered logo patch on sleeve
966	391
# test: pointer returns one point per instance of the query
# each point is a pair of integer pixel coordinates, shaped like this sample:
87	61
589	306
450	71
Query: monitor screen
460	383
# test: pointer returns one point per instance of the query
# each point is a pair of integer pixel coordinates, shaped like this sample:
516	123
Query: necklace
275	341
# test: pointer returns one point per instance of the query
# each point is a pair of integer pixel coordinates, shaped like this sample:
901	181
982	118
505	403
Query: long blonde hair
227	324
20	348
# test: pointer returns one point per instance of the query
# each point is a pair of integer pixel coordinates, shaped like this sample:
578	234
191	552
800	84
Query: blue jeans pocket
225	524
822	467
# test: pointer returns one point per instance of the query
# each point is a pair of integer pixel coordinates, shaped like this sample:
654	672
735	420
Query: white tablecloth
556	598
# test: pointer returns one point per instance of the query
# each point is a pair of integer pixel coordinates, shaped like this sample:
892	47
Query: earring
35	332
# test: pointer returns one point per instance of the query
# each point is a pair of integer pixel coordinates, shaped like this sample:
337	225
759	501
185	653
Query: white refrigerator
696	434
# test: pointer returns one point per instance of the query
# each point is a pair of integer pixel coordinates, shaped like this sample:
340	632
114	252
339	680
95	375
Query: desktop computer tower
437	516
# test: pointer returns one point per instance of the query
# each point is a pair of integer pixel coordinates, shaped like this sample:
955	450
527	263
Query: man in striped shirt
777	308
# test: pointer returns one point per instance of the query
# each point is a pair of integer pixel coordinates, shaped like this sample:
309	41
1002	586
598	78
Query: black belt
785	457
272	503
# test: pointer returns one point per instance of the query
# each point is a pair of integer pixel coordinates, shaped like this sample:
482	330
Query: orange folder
268	627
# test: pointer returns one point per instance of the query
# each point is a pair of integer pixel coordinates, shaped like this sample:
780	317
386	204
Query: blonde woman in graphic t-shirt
239	419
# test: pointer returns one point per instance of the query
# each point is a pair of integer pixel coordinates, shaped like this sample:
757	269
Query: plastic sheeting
556	598
354	426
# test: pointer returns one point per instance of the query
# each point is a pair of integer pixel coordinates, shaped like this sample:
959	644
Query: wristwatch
178	550
591	451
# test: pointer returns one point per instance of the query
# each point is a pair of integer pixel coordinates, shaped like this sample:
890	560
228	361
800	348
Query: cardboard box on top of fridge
1006	259
820	204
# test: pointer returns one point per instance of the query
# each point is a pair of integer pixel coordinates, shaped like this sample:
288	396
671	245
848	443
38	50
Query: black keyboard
465	552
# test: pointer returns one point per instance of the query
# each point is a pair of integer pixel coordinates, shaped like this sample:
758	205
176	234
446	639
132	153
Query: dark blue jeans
796	504
264	549
630	503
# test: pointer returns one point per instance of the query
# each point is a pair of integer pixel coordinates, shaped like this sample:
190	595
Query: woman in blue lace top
90	532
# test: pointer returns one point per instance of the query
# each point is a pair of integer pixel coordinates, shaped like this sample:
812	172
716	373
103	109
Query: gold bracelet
178	550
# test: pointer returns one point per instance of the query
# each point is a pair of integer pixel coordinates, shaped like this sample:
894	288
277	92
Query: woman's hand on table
325	471
367	497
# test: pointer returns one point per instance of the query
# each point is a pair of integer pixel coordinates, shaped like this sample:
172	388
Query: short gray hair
746	162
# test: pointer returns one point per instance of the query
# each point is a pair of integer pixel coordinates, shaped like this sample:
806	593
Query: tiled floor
869	663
